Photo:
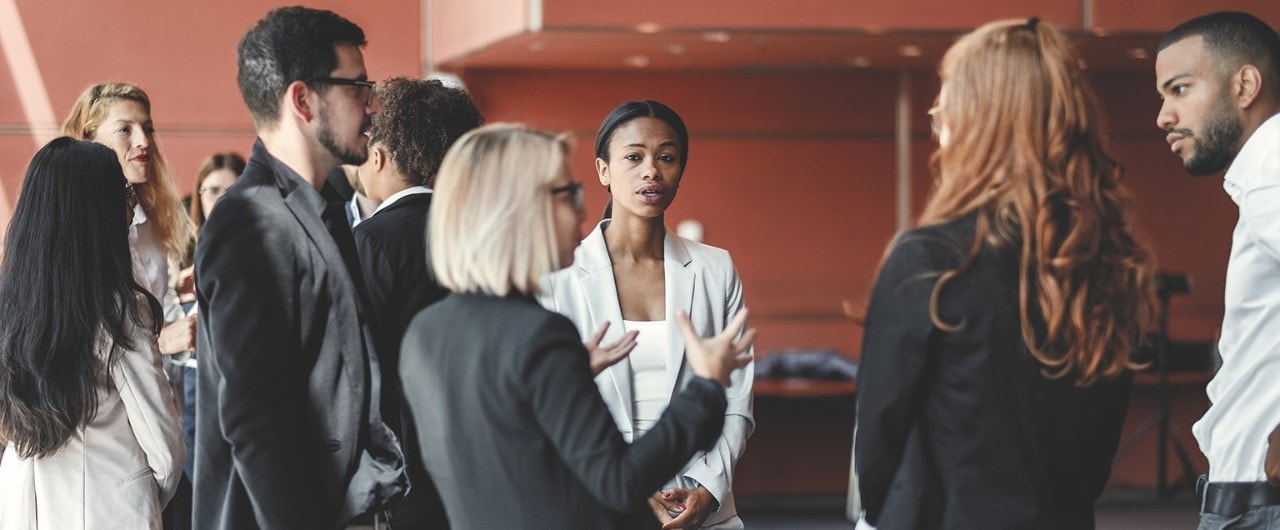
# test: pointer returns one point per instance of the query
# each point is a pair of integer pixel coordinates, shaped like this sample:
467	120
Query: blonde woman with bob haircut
500	390
999	339
118	115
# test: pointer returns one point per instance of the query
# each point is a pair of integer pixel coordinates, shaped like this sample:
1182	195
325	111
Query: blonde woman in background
118	115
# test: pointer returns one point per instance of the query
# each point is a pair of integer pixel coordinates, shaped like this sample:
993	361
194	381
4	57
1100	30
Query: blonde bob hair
1027	155
491	228
159	196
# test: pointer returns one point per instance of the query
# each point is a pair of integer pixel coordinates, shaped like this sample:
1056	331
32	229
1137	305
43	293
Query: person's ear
1246	86
297	101
602	171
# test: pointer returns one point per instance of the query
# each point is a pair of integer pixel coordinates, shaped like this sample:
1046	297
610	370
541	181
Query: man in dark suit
418	122
290	435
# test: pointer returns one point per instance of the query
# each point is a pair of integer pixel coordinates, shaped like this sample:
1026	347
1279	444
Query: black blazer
960	429
398	283
393	259
513	428
284	396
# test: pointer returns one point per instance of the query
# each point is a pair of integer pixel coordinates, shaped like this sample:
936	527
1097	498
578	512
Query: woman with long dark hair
999	340
92	428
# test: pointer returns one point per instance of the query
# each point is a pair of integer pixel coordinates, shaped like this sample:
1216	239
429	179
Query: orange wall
794	175
182	53
804	14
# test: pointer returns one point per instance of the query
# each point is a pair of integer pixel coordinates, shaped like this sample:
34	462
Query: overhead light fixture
637	61
1138	53
537	46
676	49
648	27
716	36
1101	32
860	61
910	50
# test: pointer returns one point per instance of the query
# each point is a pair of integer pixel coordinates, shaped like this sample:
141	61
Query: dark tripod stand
1167	284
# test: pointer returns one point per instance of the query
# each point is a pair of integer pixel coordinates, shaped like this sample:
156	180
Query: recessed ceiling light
676	49
649	27
637	61
858	62
910	50
716	36
1101	32
1138	53
537	46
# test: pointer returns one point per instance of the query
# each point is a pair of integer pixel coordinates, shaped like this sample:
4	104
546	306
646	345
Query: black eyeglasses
574	189
361	86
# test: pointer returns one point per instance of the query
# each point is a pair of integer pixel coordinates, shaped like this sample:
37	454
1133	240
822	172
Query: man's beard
351	156
1216	147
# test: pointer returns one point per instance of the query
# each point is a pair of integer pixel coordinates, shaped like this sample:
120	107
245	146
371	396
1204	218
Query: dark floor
1118	510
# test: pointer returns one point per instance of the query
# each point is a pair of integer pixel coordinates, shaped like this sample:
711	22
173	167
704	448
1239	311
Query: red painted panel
805	14
1161	15
183	55
458	27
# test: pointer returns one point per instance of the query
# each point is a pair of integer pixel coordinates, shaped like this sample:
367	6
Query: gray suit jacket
284	407
700	280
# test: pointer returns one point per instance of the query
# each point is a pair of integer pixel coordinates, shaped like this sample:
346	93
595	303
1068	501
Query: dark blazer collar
408	201
292	187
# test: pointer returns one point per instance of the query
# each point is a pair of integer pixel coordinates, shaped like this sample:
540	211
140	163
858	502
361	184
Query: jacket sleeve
714	470
152	411
566	403
894	352
250	317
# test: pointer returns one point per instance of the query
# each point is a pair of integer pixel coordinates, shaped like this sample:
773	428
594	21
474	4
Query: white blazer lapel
682	281
600	291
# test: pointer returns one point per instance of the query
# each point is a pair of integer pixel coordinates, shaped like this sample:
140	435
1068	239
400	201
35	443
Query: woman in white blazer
90	421
631	275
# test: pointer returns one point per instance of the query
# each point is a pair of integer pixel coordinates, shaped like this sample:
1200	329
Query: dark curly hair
420	119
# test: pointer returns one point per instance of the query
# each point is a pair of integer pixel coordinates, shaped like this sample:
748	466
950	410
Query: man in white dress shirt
1219	77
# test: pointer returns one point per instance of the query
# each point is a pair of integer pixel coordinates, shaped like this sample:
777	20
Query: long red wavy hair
1025	152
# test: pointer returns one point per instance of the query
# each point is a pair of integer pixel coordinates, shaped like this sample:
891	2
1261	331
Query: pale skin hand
1272	463
717	357
178	336
186	286
608	355
694	506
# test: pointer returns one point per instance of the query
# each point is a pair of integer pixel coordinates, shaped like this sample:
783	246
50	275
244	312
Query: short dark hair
624	113
66	292
420	120
289	44
1235	38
